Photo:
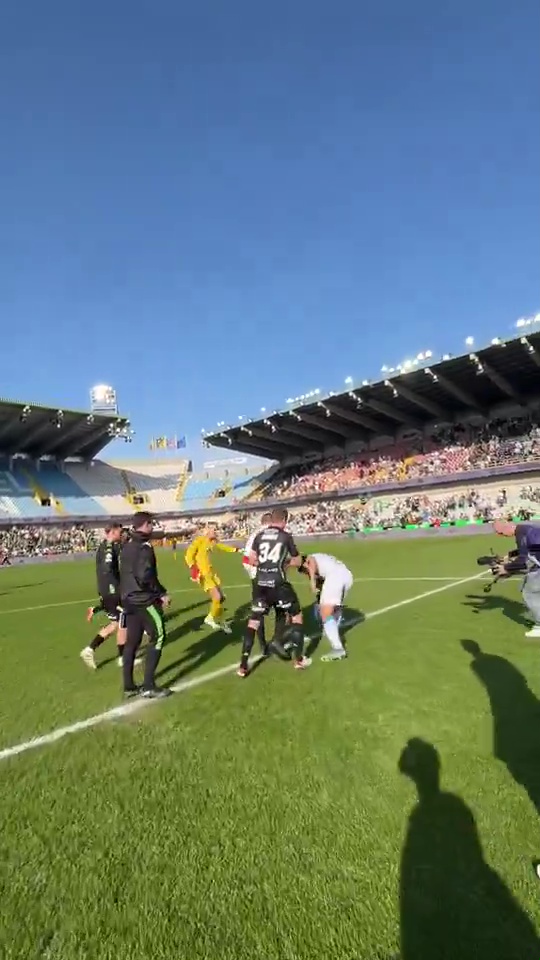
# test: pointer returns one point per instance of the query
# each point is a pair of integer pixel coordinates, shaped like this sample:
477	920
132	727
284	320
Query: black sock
296	635
153	656
261	634
120	650
97	641
247	646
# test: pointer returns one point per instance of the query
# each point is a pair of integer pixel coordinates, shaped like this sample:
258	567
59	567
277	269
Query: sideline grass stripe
230	586
133	706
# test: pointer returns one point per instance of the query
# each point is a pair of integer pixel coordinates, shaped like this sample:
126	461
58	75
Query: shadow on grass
23	586
453	905
512	609
516	717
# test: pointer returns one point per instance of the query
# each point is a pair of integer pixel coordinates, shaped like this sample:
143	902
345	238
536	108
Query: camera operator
524	559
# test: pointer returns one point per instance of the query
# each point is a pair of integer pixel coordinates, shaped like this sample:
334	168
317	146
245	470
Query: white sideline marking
229	586
133	706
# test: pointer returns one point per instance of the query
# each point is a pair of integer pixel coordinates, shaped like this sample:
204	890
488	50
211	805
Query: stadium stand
464	414
458	422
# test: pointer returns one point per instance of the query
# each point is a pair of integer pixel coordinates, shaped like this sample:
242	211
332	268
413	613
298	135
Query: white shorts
250	570
335	588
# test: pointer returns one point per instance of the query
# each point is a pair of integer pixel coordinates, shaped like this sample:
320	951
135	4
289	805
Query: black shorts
281	597
113	610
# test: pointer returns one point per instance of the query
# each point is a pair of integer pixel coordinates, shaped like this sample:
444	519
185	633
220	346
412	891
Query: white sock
331	632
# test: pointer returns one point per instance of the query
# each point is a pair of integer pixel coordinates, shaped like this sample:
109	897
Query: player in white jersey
330	580
248	566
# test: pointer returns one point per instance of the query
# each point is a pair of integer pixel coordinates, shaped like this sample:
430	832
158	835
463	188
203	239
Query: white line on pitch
230	586
127	709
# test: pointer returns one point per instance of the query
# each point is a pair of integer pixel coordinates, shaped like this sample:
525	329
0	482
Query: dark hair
141	518
112	525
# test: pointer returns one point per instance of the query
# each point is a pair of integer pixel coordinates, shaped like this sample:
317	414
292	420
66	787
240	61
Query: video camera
492	561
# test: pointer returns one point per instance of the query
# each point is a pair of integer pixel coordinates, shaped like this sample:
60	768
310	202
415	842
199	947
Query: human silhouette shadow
516	717
453	905
512	609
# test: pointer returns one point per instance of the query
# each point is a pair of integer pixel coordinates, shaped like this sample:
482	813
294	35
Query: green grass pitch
384	807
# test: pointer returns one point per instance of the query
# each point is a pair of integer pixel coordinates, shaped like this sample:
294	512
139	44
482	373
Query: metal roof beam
294	425
434	408
326	423
459	393
502	383
65	434
84	449
28	443
249	445
293	443
360	419
392	413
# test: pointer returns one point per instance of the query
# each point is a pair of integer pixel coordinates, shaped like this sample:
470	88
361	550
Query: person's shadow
512	609
453	905
516	717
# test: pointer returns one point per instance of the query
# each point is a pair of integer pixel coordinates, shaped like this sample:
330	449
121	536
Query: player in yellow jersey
199	561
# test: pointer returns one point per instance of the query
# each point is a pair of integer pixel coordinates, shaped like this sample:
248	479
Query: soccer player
273	551
143	600
108	584
330	581
198	559
251	570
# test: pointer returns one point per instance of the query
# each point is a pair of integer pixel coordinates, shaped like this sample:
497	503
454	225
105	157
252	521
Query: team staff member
524	559
108	587
201	571
143	600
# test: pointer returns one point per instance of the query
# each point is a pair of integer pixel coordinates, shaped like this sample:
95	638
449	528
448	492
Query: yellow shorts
209	582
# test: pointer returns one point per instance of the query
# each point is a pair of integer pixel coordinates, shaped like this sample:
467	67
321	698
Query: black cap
141	518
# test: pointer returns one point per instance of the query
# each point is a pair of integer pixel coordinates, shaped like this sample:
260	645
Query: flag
182	443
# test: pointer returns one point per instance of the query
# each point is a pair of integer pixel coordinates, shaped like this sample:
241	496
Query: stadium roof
49	431
451	390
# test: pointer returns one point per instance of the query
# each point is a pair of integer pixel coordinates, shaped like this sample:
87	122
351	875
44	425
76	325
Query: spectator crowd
25	542
457	449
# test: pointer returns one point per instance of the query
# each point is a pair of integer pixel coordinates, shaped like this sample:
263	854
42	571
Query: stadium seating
115	486
100	489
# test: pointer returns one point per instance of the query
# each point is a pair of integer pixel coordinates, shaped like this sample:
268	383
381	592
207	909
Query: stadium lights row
420	360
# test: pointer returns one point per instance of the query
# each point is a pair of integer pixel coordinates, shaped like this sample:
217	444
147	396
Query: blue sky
234	203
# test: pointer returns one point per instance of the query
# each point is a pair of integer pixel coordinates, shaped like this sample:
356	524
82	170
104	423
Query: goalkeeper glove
194	573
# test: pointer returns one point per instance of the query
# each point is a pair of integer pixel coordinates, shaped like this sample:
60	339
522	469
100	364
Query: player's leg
135	627
259	609
332	595
88	653
214	619
531	596
154	626
287	601
261	632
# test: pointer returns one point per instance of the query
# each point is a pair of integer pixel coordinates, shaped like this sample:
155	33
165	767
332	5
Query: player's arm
191	557
253	555
311	568
226	548
145	570
295	559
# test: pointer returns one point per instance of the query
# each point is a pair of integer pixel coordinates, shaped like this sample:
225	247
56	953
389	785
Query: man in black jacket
143	601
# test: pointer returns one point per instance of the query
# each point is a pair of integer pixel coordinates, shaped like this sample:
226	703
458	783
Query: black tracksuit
141	594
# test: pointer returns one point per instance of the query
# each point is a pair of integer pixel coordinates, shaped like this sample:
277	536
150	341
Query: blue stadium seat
72	498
